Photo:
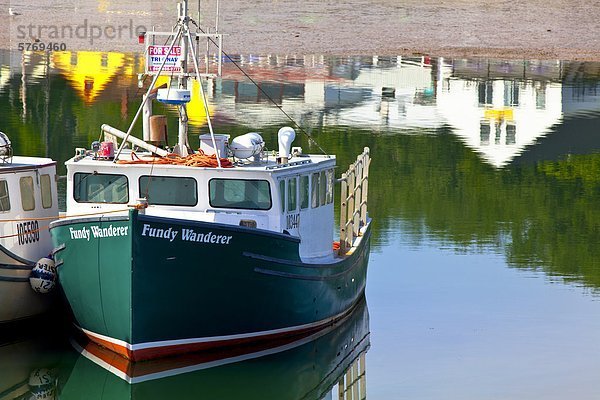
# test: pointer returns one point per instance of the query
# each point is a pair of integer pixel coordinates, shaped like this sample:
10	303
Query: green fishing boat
164	252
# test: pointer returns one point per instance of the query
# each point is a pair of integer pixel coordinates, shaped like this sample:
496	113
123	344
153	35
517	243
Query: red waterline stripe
149	352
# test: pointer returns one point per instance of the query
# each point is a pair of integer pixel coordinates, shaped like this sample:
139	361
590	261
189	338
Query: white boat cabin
28	203
294	198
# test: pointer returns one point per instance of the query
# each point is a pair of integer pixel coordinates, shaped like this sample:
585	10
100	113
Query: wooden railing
353	210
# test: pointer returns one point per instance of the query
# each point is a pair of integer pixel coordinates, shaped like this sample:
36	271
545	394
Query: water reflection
30	361
499	109
308	368
487	174
442	129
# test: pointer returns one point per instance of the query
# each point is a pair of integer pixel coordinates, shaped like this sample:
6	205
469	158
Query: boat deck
268	162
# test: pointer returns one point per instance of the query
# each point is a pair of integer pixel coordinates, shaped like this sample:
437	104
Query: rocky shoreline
519	29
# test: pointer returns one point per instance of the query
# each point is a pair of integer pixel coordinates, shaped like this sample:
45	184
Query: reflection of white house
496	111
499	118
403	96
399	94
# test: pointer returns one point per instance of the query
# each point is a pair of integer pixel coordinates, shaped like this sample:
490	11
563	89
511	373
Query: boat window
291	200
27	199
46	186
169	190
322	188
330	185
315	190
4	199
304	191
100	188
282	194
240	193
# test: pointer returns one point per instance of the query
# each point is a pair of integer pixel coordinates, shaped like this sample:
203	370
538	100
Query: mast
183	148
183	43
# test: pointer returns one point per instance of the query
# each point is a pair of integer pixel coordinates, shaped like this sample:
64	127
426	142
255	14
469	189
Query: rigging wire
302	130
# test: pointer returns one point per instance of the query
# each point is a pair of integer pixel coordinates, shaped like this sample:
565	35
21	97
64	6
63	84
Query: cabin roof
21	162
267	164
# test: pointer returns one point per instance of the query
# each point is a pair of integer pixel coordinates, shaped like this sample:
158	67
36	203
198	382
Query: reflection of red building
280	69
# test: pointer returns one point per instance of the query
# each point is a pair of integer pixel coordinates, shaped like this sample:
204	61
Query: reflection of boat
166	254
28	201
28	364
303	369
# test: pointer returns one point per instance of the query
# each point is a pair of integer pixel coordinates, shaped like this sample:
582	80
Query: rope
198	159
60	216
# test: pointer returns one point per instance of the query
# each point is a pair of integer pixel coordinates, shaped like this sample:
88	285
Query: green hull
158	286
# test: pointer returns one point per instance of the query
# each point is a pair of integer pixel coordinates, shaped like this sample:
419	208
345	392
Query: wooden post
351	200
357	196
343	213
365	187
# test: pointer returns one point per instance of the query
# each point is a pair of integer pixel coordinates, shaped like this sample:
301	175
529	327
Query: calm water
484	275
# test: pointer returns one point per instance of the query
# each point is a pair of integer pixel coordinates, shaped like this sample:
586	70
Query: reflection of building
499	118
89	72
374	93
581	89
402	95
496	107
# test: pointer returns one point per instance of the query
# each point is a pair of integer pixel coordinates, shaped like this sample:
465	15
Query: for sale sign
157	55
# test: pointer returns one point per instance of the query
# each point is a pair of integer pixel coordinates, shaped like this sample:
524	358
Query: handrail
353	209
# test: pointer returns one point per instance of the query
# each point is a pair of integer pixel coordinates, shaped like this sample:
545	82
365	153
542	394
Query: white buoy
43	276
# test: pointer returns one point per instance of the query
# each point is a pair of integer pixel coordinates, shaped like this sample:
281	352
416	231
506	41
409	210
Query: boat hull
17	299
147	286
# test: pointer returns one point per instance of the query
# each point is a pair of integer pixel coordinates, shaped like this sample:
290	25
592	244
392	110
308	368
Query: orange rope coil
198	159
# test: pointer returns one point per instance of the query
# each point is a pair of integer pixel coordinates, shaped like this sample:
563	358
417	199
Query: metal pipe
133	140
210	129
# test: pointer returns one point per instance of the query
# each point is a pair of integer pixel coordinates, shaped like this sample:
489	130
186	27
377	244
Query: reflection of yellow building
195	108
89	71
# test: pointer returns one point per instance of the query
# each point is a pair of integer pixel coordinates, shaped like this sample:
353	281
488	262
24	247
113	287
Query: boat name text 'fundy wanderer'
169	251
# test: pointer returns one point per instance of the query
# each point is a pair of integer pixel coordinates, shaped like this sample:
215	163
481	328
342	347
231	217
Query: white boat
28	203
